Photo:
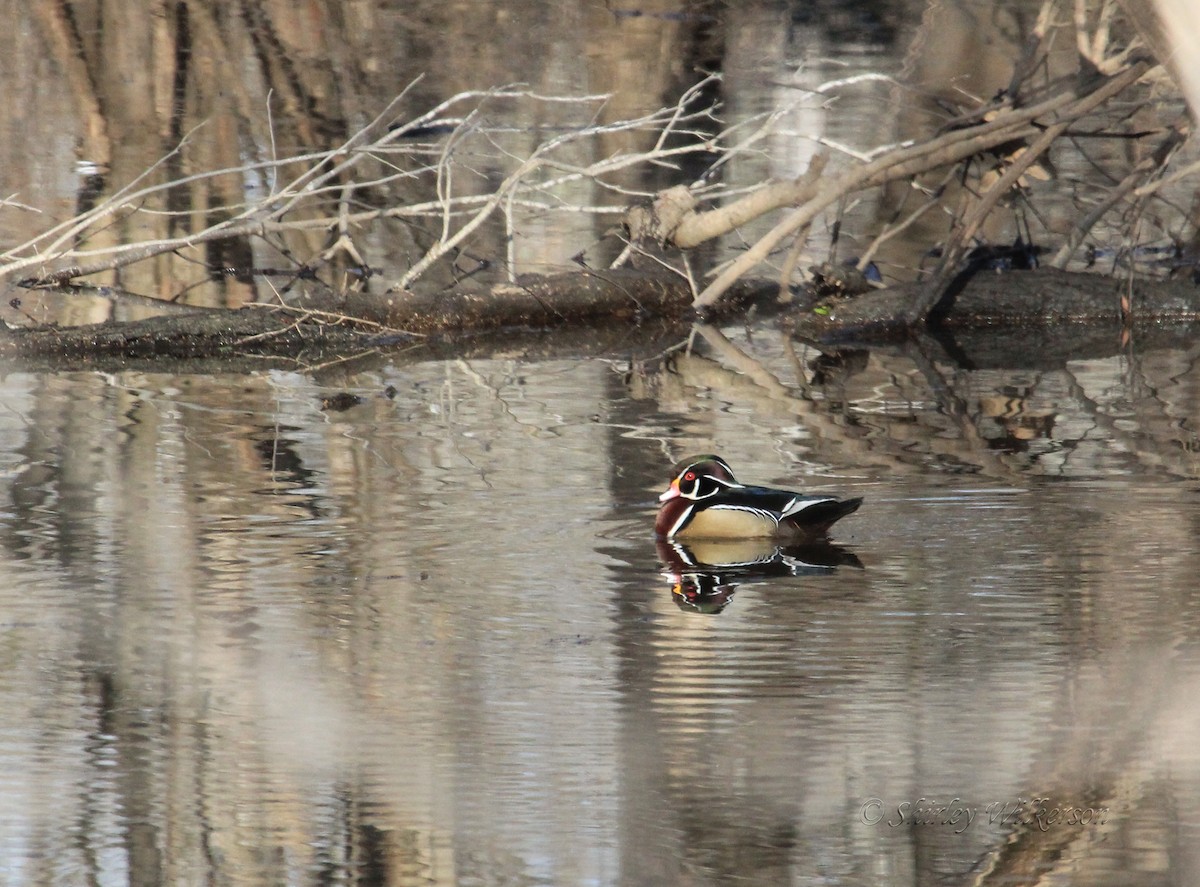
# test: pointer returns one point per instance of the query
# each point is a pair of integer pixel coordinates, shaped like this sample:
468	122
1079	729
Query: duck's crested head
698	477
705	463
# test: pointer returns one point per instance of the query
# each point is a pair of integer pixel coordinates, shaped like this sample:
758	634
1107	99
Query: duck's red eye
691	475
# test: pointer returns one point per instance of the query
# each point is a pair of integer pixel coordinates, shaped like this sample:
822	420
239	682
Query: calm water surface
248	637
430	639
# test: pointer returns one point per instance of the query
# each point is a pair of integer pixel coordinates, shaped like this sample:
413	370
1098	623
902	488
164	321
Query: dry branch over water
422	178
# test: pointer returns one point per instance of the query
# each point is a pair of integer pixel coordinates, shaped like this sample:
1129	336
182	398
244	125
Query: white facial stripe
727	484
683	519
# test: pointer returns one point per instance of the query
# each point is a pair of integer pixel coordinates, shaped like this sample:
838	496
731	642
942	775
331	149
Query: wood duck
705	501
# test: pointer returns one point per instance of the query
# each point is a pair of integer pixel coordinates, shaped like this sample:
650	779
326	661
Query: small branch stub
657	221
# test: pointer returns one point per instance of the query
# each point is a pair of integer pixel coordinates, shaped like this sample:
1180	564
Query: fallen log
1037	298
321	321
534	300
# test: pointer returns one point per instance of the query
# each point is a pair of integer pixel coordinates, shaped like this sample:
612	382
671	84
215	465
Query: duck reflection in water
704	574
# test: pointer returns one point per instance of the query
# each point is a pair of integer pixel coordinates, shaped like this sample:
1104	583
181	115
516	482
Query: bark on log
322	321
180	336
535	300
615	299
1015	298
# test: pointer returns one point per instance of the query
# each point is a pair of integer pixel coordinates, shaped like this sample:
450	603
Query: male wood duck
705	501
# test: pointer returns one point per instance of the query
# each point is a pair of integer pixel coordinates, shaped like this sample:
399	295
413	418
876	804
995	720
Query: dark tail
817	519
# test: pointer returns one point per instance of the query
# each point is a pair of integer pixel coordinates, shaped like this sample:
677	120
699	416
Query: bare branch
949	148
